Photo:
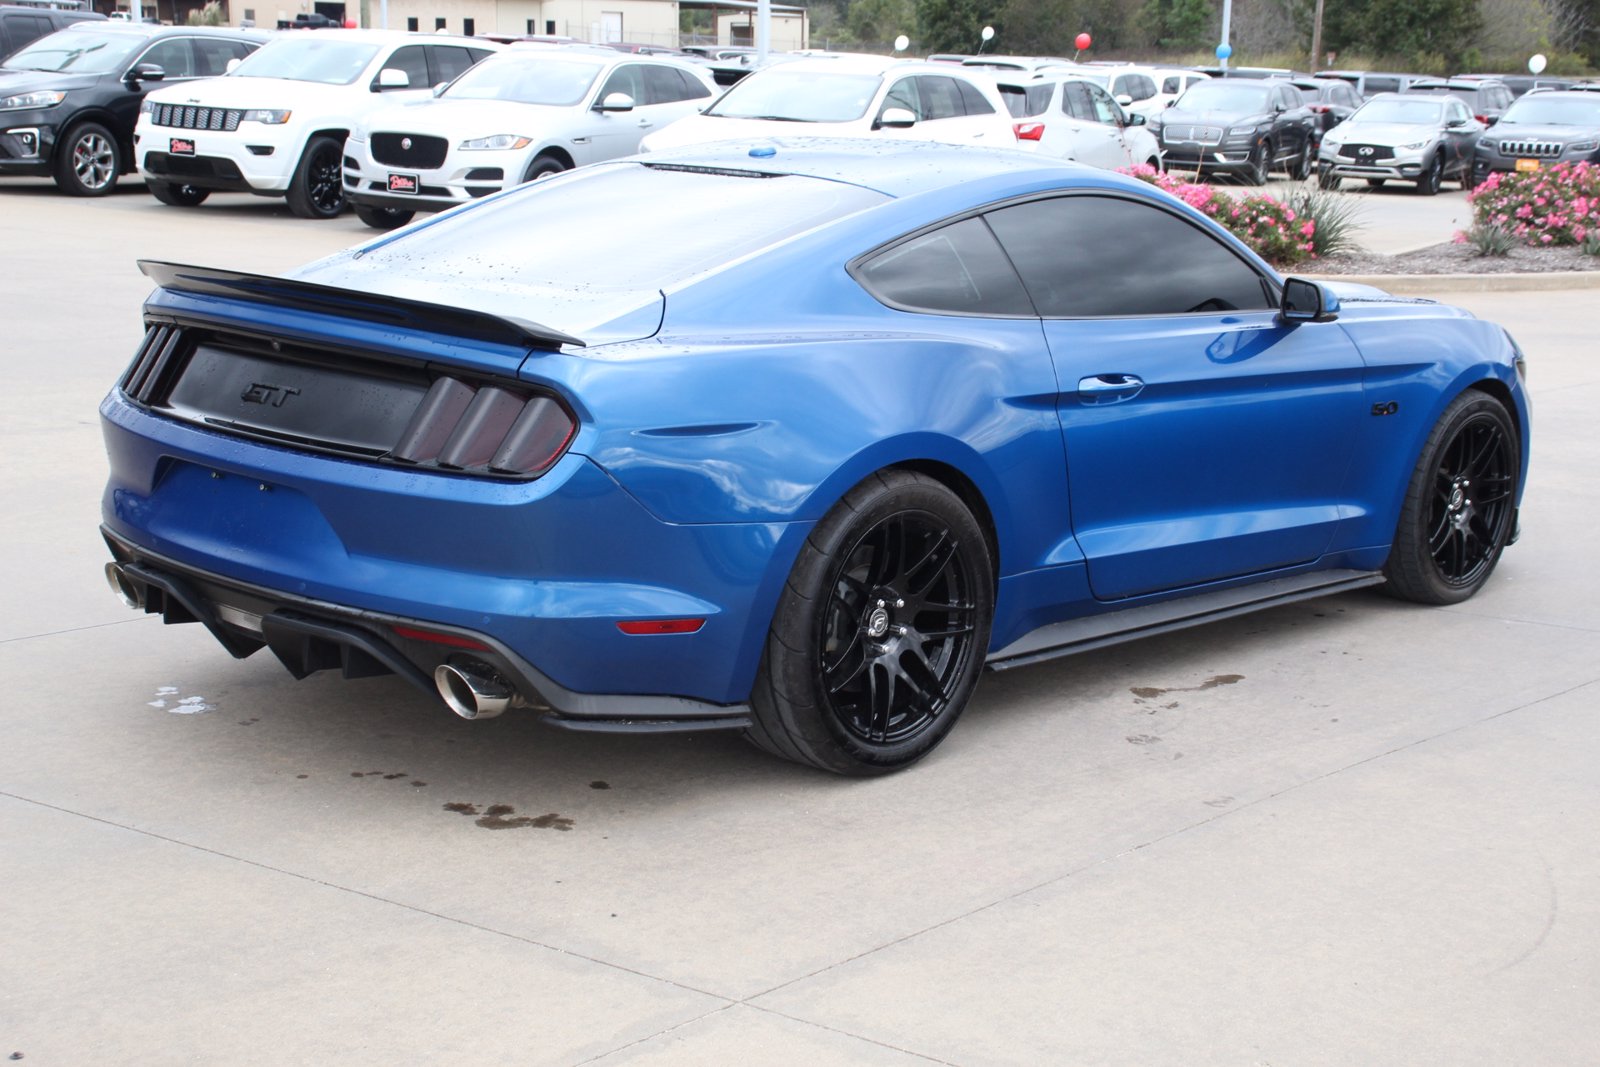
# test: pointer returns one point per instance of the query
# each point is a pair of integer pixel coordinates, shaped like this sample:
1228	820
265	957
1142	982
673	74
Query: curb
1428	284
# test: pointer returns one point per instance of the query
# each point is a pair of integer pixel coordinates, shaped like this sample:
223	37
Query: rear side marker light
1029	131
432	638
645	627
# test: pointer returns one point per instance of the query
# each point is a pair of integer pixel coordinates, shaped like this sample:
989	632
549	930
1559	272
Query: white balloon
988	33
901	43
1536	64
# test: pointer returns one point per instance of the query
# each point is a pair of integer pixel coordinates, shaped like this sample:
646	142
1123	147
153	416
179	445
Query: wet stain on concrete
1146	692
1219	802
1143	739
599	785
505	817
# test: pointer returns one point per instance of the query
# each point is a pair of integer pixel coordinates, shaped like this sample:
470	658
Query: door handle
1109	388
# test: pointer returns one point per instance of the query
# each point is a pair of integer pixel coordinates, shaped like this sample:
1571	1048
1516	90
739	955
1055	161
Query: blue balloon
1224	51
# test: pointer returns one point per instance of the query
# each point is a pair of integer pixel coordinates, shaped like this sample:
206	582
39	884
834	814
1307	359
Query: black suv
1540	130
24	25
1239	126
1486	98
69	101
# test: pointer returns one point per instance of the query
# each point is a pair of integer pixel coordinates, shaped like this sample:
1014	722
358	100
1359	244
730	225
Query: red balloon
349	24
1083	41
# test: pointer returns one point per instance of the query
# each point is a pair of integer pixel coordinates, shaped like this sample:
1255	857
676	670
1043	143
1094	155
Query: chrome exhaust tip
123	586
472	691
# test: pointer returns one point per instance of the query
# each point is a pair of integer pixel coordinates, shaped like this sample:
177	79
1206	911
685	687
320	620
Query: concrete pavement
1343	832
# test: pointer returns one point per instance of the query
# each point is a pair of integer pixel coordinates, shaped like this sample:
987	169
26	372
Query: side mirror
615	102
896	118
233	64
146	72
1124	99
393	78
1135	119
1306	301
1173	102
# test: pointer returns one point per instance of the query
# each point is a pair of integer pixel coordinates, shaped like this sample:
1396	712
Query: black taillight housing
465	427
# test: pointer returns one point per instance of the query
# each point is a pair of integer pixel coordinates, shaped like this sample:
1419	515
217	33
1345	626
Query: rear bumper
309	636
541	571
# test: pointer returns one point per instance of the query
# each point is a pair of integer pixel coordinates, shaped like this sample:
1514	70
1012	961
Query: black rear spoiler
352	303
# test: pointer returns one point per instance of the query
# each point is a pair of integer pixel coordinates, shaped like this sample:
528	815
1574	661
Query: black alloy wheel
882	630
1326	179
1299	168
1428	184
1260	164
317	189
542	167
1460	505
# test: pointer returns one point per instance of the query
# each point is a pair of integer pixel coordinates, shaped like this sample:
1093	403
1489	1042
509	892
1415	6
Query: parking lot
1349	831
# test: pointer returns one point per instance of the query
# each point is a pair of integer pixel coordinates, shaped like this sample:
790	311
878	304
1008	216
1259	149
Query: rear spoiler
413	315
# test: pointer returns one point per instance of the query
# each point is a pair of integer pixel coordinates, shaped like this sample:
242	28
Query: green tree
1181	25
879	22
953	25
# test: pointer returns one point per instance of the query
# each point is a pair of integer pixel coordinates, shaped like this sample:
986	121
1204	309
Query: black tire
88	161
1460	505
543	167
1330	181
177	195
881	631
1428	184
1260	164
1470	178
1376	183
383	218
317	189
1299	168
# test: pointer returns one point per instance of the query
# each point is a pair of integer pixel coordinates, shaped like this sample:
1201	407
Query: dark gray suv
1540	130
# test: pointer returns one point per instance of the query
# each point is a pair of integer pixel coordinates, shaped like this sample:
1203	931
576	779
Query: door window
172	56
1090	256
1105	110
413	59
628	79
974	102
941	99
448	61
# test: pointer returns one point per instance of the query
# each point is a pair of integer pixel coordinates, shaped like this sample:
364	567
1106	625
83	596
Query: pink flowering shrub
1270	227
1555	206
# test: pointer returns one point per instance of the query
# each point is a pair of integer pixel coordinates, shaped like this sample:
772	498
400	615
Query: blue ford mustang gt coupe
793	439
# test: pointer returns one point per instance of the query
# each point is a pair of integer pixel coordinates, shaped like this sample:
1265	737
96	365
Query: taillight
1321	109
1482	118
462	427
1029	131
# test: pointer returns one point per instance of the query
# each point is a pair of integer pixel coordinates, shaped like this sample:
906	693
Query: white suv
276	125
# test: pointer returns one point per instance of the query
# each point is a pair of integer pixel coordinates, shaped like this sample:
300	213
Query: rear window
583	248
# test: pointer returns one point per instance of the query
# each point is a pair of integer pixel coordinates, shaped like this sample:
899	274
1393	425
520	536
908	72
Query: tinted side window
1075	101
693	88
1082	256
1382	85
1106	110
973	101
414	61
448	61
903	94
958	269
940	98
211	57
1140	87
1172	85
23	29
172	56
625	79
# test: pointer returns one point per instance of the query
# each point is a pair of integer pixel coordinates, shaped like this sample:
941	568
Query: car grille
1191	134
409	150
184	117
1366	153
1531	149
357	408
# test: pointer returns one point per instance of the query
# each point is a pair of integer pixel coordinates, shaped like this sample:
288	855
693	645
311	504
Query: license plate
1527	164
403	183
181	146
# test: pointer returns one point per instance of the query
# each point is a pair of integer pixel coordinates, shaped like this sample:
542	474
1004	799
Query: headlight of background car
500	142
1583	146
1241	131
266	116
1415	147
31	101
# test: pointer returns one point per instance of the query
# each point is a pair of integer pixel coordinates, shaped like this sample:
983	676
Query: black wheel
317	189
1459	506
1328	180
88	161
1376	183
881	631
543	167
1299	168
1428	184
177	195
1470	177
1260	164
383	218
